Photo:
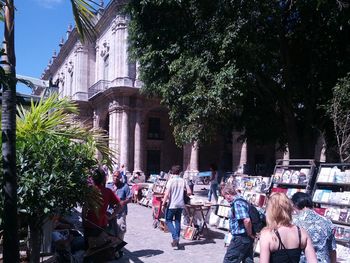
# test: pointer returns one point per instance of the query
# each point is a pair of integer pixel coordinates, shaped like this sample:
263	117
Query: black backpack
258	219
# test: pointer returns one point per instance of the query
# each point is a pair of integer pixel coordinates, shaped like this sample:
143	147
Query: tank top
286	255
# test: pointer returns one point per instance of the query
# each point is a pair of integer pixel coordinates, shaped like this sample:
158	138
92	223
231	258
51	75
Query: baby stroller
157	213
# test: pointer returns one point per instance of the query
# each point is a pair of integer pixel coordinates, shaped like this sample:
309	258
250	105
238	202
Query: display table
202	210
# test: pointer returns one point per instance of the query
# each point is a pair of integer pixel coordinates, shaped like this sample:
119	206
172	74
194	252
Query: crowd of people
294	232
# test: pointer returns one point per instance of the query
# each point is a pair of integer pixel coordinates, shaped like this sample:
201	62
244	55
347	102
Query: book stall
254	189
195	218
294	175
331	197
142	193
158	190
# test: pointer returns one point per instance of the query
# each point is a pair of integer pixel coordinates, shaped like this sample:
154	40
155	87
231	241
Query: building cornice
65	50
67	47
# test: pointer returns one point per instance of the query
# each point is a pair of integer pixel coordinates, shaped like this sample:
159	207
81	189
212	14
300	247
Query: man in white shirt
174	201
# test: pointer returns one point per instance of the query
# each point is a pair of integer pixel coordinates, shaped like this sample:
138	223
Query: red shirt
109	198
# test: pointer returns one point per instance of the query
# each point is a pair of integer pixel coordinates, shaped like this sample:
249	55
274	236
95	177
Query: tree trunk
11	244
34	242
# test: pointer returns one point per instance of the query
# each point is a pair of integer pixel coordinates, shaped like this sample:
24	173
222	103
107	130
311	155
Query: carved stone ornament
70	67
61	77
104	49
80	48
114	107
118	23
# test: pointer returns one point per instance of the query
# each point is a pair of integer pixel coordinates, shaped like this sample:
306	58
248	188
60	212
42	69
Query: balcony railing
99	86
102	85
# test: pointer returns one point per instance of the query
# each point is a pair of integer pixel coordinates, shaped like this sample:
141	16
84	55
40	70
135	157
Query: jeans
117	226
240	250
213	191
174	214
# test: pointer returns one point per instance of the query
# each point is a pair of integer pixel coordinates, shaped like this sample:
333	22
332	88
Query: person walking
118	216
281	241
213	183
318	227
174	201
240	248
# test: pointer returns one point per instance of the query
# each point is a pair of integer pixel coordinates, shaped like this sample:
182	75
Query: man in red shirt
95	223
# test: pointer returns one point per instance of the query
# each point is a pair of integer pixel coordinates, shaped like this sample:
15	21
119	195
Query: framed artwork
190	233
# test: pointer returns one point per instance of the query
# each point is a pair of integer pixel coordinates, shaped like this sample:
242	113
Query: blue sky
39	27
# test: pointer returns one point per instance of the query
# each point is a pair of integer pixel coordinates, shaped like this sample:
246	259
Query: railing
98	87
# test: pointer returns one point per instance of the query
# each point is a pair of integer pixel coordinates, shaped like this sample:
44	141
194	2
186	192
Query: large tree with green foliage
339	112
265	66
83	11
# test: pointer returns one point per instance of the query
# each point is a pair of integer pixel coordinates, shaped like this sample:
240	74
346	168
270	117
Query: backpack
258	219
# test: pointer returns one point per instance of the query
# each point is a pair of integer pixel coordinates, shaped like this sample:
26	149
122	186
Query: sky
39	27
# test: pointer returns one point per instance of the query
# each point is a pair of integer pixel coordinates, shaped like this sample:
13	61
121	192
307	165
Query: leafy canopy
267	66
339	112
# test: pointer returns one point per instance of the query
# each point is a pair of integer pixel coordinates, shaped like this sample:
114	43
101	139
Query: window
154	129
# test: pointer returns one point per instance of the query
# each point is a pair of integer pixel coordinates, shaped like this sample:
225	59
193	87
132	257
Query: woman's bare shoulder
266	231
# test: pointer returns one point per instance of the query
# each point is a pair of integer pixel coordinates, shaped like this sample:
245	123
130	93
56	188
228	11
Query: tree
339	112
54	156
259	65
83	11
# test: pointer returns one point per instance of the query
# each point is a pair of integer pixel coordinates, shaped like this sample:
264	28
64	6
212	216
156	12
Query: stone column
239	152
190	159
81	70
121	56
97	63
114	49
124	142
113	128
320	149
194	157
138	151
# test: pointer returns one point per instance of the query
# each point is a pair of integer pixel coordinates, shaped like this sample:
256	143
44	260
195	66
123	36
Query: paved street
146	244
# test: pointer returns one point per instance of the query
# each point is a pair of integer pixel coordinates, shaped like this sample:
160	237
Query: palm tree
83	11
54	155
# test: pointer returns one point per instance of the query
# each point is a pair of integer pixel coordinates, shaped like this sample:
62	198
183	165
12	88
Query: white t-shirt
176	187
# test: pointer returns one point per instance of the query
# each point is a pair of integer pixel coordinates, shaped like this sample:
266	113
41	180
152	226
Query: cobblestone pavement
149	245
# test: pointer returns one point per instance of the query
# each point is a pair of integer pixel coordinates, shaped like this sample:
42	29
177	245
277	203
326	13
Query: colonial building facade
105	85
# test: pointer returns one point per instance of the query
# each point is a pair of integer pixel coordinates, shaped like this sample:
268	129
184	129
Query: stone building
104	83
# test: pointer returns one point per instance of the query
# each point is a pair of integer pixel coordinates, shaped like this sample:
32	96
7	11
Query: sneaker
175	243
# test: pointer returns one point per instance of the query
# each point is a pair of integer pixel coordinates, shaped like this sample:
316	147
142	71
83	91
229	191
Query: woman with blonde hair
281	241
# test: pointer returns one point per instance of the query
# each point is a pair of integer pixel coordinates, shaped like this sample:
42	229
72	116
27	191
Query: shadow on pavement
211	234
196	242
208	238
133	256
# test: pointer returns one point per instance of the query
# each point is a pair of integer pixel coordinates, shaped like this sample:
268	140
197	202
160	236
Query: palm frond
84	12
2	15
57	117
